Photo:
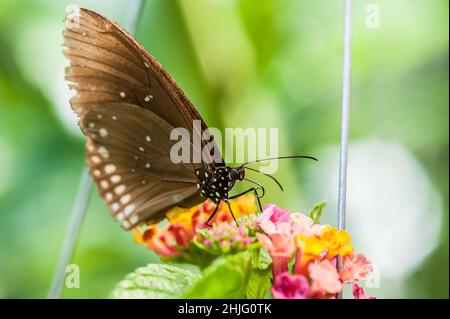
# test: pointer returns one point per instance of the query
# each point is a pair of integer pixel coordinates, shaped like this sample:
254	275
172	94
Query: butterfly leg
229	207
255	191
211	216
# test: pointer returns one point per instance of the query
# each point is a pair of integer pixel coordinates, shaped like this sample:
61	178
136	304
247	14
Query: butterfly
128	107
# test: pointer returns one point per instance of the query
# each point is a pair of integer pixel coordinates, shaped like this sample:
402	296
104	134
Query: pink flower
272	219
287	286
304	225
278	238
359	293
281	247
356	268
274	214
325	278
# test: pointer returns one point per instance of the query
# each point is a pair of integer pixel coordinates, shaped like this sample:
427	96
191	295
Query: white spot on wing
122	94
95	159
104	184
125	199
110	168
103	152
119	189
148	138
115	207
129	209
134	219
103	132
116	178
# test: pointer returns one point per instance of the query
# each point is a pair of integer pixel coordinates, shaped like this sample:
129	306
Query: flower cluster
314	249
303	253
229	237
187	226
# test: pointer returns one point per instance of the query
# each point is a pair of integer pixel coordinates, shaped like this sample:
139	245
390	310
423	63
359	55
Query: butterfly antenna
268	175
280	157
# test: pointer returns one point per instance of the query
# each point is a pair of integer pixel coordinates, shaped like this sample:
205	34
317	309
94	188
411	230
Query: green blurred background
243	63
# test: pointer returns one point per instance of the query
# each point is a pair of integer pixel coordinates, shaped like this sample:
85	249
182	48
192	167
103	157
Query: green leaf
227	277
155	281
261	258
260	274
316	212
258	283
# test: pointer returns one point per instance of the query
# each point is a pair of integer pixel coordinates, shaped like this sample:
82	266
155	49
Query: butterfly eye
234	174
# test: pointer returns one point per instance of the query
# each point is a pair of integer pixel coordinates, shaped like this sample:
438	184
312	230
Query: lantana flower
228	236
315	247
324	278
359	293
174	239
356	268
305	226
287	286
290	238
277	238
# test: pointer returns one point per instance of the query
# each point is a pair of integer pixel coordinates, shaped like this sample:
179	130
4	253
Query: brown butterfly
128	105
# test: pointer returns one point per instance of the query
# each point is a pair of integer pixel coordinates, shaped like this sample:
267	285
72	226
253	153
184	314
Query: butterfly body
217	184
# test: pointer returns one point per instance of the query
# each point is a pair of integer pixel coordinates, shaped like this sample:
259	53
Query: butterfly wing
128	153
108	65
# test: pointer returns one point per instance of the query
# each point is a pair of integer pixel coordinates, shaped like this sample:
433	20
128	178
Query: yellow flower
338	242
311	247
137	234
182	216
324	246
243	205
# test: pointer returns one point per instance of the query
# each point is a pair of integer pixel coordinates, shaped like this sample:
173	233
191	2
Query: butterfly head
237	173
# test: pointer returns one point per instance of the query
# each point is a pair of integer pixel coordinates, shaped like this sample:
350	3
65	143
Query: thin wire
73	228
84	189
133	16
345	119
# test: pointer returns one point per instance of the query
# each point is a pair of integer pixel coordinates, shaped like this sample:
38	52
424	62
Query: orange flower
310	249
